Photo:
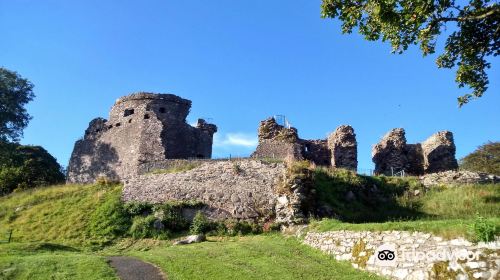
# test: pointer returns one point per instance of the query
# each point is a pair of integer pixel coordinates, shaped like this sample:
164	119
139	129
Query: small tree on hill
486	158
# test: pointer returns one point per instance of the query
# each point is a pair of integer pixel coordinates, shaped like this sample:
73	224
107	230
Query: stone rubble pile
458	177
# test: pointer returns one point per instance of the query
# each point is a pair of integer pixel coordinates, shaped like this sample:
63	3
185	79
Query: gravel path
133	269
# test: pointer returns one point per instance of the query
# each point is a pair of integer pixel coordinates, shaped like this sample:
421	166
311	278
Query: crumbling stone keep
392	154
439	152
277	141
344	149
143	128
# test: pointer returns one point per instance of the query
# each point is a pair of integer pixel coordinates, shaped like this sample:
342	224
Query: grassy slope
249	257
61	214
53	214
451	228
47	261
448	212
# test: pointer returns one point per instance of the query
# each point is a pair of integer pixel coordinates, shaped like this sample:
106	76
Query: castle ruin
436	154
280	142
143	129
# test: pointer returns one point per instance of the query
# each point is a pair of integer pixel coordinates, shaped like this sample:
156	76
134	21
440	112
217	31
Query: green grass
381	199
177	168
76	216
48	261
248	257
450	228
58	214
375	199
392	203
462	202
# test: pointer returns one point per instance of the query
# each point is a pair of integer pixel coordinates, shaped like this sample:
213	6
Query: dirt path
133	269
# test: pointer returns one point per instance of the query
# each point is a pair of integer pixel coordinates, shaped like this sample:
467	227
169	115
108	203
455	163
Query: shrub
148	227
242	228
171	216
200	224
271	226
483	229
138	208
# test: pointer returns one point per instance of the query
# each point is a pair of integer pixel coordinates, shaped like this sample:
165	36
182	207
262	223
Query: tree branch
492	11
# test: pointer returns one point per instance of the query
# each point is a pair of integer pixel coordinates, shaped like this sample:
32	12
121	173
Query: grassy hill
65	232
60	214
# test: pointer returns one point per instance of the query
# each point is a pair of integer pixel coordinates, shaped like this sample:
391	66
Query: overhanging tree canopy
403	23
15	93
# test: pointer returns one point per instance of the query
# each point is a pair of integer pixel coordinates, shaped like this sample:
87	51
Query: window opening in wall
118	124
128	112
162	110
130	121
146	116
110	126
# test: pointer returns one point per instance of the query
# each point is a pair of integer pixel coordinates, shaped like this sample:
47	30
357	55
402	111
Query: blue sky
239	62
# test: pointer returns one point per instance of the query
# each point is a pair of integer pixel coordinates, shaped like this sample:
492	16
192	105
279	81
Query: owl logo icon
386	255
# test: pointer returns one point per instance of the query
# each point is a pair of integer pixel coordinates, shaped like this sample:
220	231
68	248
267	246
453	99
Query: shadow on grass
352	198
50	247
491	199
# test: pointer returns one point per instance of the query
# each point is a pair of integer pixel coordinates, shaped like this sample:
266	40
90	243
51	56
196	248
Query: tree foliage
475	36
23	167
486	158
15	93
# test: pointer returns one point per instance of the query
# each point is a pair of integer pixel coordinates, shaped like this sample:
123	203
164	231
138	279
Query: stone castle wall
242	189
417	256
142	128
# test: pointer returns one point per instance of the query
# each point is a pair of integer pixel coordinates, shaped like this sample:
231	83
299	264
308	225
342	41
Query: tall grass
57	214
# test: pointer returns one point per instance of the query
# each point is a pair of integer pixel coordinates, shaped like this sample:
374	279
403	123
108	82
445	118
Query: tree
15	93
474	38
486	158
24	167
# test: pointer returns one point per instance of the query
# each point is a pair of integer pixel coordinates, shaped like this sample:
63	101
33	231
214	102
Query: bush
242	228
171	216
148	227
484	230
200	224
138	208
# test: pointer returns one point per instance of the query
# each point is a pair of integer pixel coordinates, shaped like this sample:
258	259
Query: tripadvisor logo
387	255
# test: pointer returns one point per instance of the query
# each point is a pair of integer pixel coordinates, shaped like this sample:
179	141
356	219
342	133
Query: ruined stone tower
344	148
143	129
393	154
278	141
